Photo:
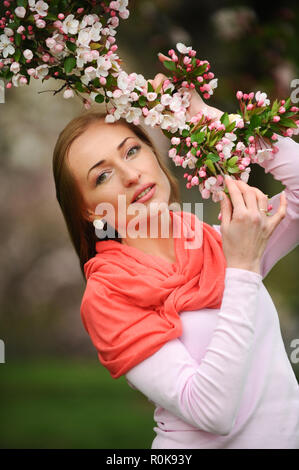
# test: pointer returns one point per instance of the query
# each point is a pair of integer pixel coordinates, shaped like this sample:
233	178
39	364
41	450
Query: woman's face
109	160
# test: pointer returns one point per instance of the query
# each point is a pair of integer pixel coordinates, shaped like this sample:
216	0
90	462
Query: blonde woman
190	326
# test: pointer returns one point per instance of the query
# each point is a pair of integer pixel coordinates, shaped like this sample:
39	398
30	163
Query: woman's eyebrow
103	161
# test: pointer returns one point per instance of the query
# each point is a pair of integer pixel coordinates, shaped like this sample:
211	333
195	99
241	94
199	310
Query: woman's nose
130	175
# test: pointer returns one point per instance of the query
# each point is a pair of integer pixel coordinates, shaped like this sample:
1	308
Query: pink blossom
205	193
239	95
20	12
276	118
175	140
20	29
40	24
282	110
28	54
172	153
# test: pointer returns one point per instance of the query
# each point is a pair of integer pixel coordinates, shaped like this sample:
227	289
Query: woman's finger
255	198
226	210
162	57
236	196
280	214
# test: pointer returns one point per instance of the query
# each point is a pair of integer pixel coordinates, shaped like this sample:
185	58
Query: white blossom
153	118
259	96
15	67
245	174
103	66
175	103
8	31
110	118
20	12
95	32
84	37
133	113
28	54
70	25
42	71
182	48
263	154
213	84
68	93
6	46
41	8
123	80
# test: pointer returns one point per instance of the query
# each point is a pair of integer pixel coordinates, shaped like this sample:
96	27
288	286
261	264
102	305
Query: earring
99	223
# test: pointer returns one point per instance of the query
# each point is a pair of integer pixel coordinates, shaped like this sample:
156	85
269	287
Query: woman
194	329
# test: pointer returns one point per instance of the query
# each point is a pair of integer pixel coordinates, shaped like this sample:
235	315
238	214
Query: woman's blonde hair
82	231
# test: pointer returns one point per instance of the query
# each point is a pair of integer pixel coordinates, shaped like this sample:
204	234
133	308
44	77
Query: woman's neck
161	244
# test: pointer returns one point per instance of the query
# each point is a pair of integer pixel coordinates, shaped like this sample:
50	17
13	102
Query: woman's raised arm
284	167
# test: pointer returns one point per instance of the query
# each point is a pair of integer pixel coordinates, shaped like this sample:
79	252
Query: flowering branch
66	41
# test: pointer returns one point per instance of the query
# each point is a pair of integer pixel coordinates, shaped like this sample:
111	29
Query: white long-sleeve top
226	382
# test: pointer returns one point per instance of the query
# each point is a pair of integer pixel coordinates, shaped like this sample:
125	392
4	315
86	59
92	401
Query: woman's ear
88	215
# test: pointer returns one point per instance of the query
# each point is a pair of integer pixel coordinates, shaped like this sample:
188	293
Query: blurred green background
54	391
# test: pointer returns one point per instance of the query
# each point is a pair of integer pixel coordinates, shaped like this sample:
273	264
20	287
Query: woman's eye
101	178
137	147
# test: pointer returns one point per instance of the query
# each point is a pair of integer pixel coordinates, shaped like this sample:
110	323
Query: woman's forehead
99	140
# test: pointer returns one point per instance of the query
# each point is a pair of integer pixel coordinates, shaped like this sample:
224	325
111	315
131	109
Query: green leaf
22	3
230	127
275	107
96	82
142	101
185	133
169	65
198	137
18	39
71	46
233	169
286	122
13	25
99	98
210	166
17	55
79	87
69	64
232	161
225	119
150	87
287	103
51	17
213	157
255	121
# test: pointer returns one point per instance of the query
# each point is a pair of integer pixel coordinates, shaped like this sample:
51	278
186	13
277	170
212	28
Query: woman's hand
196	102
245	229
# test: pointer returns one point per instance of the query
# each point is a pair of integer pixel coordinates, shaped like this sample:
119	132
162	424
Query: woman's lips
147	195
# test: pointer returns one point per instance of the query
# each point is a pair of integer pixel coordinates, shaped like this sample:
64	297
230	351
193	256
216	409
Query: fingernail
228	177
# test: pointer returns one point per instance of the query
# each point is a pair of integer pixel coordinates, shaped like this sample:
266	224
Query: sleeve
284	167
207	395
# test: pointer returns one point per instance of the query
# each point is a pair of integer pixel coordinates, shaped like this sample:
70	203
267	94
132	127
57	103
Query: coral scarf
132	299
